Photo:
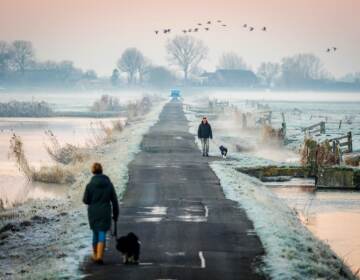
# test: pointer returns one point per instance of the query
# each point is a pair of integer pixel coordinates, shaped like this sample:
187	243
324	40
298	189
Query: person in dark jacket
204	134
100	196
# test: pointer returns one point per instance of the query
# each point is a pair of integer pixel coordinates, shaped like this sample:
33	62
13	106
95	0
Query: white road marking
202	259
206	211
175	254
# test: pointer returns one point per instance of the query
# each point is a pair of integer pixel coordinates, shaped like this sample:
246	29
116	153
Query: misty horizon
94	34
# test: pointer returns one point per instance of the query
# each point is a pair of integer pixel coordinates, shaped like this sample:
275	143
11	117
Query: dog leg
131	259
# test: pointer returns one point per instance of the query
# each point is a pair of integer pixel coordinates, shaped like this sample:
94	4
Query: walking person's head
96	168
204	120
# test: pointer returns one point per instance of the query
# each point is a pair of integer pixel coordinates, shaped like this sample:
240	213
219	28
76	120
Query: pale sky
93	33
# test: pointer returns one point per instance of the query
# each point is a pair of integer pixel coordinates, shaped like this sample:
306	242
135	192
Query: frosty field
330	215
50	220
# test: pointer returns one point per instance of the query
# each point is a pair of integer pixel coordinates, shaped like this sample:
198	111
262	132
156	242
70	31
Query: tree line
18	64
185	53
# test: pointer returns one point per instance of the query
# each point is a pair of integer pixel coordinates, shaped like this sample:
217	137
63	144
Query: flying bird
209	22
207	28
264	28
251	28
196	29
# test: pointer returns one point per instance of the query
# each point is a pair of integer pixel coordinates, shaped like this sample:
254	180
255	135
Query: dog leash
115	229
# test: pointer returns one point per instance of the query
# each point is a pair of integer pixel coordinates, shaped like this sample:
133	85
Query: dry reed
63	154
46	174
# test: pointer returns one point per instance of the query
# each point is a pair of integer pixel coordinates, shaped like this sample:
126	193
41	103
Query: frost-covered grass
292	252
58	247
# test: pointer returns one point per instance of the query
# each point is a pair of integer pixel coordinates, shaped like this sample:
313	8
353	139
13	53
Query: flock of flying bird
206	27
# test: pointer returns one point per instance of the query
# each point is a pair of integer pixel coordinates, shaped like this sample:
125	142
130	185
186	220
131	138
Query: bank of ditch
48	239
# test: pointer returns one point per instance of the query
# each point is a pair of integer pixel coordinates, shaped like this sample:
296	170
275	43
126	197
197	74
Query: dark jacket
99	196
204	130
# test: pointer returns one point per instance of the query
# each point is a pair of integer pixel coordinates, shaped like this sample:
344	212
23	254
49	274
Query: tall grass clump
352	160
139	108
104	134
101	134
118	125
2	204
46	174
268	133
64	154
106	103
320	154
25	109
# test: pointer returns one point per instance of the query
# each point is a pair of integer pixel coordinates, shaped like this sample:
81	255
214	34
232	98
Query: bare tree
268	72
302	68
144	69
130	62
231	61
6	54
186	52
23	54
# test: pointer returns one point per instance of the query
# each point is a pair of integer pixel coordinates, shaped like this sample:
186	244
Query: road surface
175	204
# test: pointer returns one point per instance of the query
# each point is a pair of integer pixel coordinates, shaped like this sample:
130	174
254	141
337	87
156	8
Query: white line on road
202	259
206	211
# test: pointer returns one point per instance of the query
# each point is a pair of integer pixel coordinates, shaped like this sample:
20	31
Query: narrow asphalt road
175	204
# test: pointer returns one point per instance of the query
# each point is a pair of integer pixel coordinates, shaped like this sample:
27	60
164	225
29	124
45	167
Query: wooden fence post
244	121
322	128
349	138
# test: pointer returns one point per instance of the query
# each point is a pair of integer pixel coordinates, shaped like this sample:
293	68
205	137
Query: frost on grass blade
292	252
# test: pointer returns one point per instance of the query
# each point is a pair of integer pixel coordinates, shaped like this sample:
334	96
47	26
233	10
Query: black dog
129	246
223	151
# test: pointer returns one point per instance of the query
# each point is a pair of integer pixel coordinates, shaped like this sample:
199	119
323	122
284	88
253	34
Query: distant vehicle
175	94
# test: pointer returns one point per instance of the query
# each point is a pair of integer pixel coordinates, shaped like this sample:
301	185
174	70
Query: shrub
53	175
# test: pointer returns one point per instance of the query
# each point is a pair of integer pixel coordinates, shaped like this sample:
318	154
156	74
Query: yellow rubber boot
100	252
